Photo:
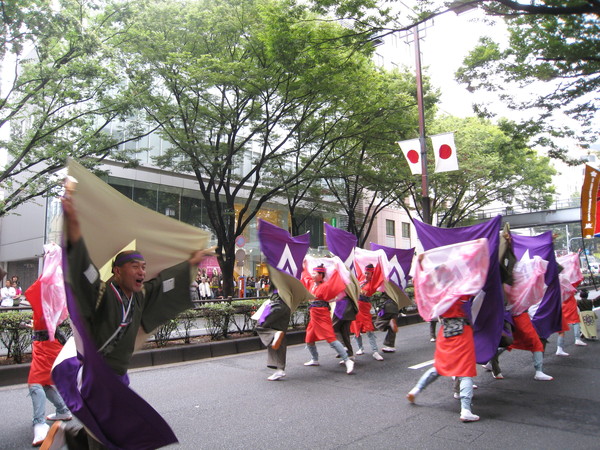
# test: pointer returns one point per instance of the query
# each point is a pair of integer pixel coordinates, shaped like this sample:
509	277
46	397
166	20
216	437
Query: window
390	227
406	230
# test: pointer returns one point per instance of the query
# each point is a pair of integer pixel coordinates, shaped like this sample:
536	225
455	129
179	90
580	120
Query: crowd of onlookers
210	286
11	293
205	287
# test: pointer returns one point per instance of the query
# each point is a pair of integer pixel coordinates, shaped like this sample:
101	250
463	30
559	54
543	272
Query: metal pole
425	205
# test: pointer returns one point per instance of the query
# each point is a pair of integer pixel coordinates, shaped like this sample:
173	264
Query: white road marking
423	364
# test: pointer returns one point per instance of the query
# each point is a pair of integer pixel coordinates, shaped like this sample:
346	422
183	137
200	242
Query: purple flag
399	262
283	252
487	316
99	398
341	244
547	316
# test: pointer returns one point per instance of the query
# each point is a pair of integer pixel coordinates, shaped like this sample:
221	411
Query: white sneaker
498	376
56	416
580	342
561	352
468	416
277	376
360	351
349	366
312	362
40	431
377	356
412	394
541	376
432	339
488	366
388	349
456	395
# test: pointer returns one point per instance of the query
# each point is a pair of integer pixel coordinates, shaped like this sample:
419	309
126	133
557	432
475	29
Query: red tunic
570	312
320	326
364	320
455	356
43	355
524	334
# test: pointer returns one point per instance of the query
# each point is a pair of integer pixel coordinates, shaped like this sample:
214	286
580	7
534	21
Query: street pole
425	204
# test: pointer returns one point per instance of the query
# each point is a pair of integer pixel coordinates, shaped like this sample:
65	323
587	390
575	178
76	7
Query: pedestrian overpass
561	212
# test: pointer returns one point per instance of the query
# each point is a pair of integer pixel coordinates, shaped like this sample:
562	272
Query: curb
18	373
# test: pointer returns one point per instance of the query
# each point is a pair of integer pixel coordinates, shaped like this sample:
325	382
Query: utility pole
425	203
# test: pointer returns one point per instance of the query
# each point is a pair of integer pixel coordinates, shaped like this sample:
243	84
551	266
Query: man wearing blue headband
120	311
117	310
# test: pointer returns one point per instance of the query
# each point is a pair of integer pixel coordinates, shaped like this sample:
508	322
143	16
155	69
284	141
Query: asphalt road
227	403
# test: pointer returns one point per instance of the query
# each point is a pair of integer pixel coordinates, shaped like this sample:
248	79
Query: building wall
379	233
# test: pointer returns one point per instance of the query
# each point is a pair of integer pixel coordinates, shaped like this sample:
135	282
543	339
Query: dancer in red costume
364	320
320	327
45	349
454	357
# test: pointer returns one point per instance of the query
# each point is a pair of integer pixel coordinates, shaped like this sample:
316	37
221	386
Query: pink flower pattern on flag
444	274
528	286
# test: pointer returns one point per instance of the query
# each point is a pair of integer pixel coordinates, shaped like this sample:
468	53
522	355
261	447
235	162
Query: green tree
230	83
61	94
562	51
373	165
554	42
496	165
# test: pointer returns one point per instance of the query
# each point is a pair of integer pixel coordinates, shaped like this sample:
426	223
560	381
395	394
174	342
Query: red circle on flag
445	151
413	156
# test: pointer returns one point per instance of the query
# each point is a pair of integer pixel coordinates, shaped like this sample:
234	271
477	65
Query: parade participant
524	287
387	320
320	326
342	244
271	327
344	313
395	264
47	290
284	256
570	277
454	356
113	313
364	319
446	278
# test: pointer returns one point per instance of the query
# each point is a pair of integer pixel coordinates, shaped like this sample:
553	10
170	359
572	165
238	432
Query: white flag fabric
412	152
444	151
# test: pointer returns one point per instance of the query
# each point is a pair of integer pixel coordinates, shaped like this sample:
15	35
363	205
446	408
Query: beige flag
111	222
397	294
290	289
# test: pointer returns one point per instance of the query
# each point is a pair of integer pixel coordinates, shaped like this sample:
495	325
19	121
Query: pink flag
444	274
444	151
528	286
412	152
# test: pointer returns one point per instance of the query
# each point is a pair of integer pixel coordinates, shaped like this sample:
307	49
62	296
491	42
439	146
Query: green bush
245	309
163	333
218	317
187	319
15	333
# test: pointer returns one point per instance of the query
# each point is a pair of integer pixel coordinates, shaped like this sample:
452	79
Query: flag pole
425	204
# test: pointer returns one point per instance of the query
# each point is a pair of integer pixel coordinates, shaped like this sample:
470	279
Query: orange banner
590	222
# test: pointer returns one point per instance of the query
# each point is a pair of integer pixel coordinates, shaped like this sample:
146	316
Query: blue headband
125	257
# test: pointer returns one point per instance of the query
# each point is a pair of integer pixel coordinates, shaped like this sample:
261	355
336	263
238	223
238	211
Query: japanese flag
412	152
444	151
